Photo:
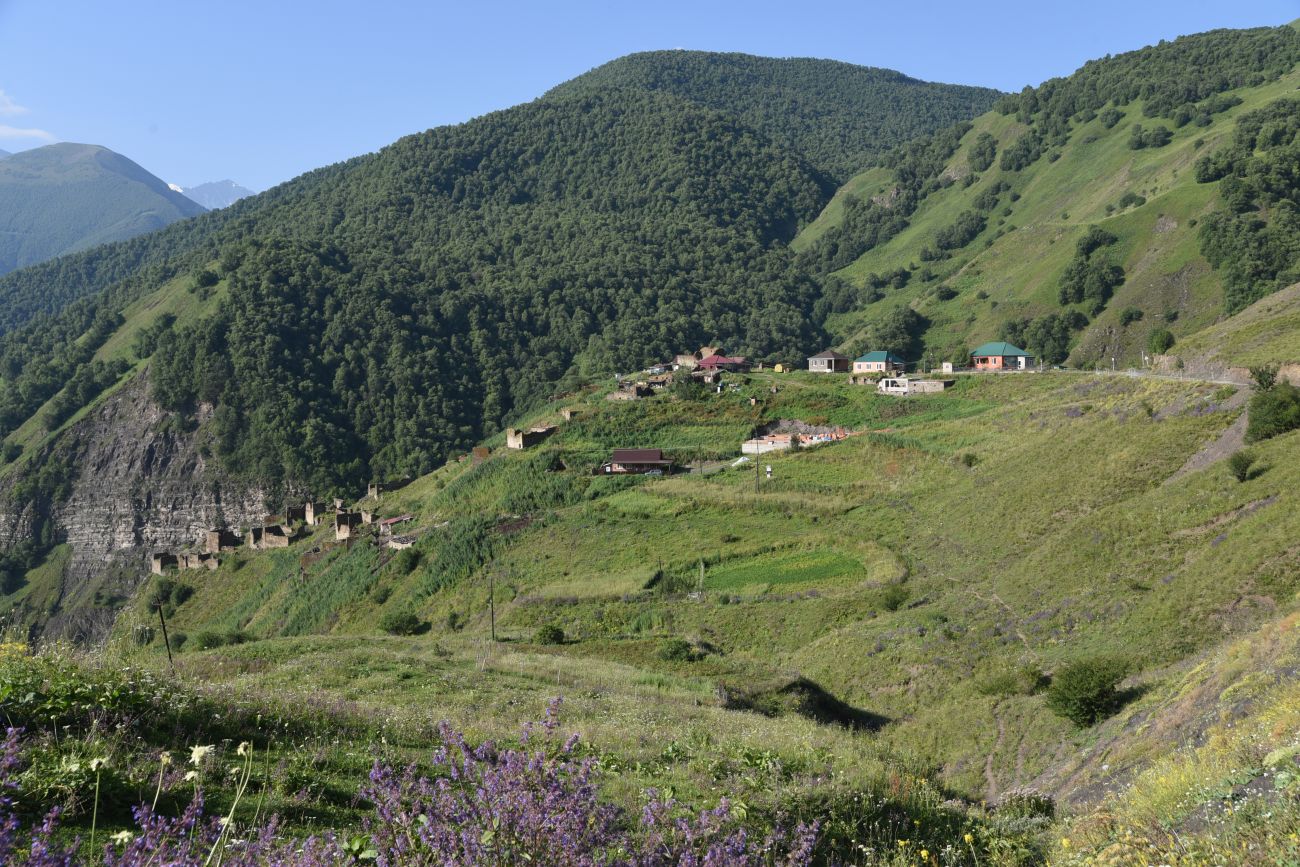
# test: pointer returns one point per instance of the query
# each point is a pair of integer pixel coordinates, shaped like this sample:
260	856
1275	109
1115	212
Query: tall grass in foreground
482	806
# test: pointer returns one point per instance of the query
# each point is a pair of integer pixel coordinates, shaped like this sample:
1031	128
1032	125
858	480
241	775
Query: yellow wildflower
198	754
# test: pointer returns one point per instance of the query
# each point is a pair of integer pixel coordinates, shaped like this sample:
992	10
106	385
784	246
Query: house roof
638	456
388	522
881	355
715	360
1000	347
830	353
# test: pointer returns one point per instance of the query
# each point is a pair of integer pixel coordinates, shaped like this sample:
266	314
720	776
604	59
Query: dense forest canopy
401	305
842	117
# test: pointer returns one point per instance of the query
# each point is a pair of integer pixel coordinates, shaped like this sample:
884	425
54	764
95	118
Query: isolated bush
400	623
1264	376
1129	315
549	633
893	597
1160	341
406	560
208	640
1273	412
1239	465
1086	692
677	650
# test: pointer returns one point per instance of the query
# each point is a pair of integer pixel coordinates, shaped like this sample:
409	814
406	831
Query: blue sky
198	90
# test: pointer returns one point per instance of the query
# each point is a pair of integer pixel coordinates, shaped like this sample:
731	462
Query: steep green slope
62	198
840	116
919	575
414	297
1267	332
979	245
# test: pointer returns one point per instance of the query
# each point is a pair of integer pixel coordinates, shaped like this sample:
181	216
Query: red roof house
722	362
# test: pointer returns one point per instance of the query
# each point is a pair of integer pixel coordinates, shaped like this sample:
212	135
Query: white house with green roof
879	361
1000	355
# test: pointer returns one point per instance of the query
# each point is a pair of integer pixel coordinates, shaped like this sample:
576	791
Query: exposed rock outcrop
139	482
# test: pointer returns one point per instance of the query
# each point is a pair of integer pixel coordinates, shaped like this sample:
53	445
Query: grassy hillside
63	198
1267	332
1027	213
866	567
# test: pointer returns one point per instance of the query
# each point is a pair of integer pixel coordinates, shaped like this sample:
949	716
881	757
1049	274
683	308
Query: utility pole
166	641
756	471
492	602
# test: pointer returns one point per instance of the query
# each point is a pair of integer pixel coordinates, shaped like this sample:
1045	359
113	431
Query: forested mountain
1099	216
4	153
385	310
217	194
66	197
840	116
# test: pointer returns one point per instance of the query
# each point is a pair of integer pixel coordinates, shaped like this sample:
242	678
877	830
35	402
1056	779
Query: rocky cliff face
139	483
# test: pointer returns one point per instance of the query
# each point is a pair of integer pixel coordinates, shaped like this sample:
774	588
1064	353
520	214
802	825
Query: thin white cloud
18	132
9	108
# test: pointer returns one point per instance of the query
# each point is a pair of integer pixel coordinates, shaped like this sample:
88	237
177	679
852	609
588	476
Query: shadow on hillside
803	697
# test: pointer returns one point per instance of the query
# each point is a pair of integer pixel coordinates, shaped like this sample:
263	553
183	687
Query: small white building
901	386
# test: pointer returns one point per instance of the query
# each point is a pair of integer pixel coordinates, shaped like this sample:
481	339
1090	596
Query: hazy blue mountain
66	197
217	194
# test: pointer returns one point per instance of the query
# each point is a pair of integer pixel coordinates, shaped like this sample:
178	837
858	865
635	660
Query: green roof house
1001	355
879	361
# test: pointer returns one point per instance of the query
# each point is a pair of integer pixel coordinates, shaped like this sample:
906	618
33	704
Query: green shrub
677	650
1273	412
400	623
549	633
1129	315
893	597
1085	692
406	561
1160	341
1264	376
1239	465
208	640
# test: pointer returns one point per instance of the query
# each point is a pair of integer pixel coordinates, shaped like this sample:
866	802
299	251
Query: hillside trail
1232	440
990	779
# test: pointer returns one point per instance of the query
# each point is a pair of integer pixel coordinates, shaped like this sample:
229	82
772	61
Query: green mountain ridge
982	251
605	207
63	198
840	116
